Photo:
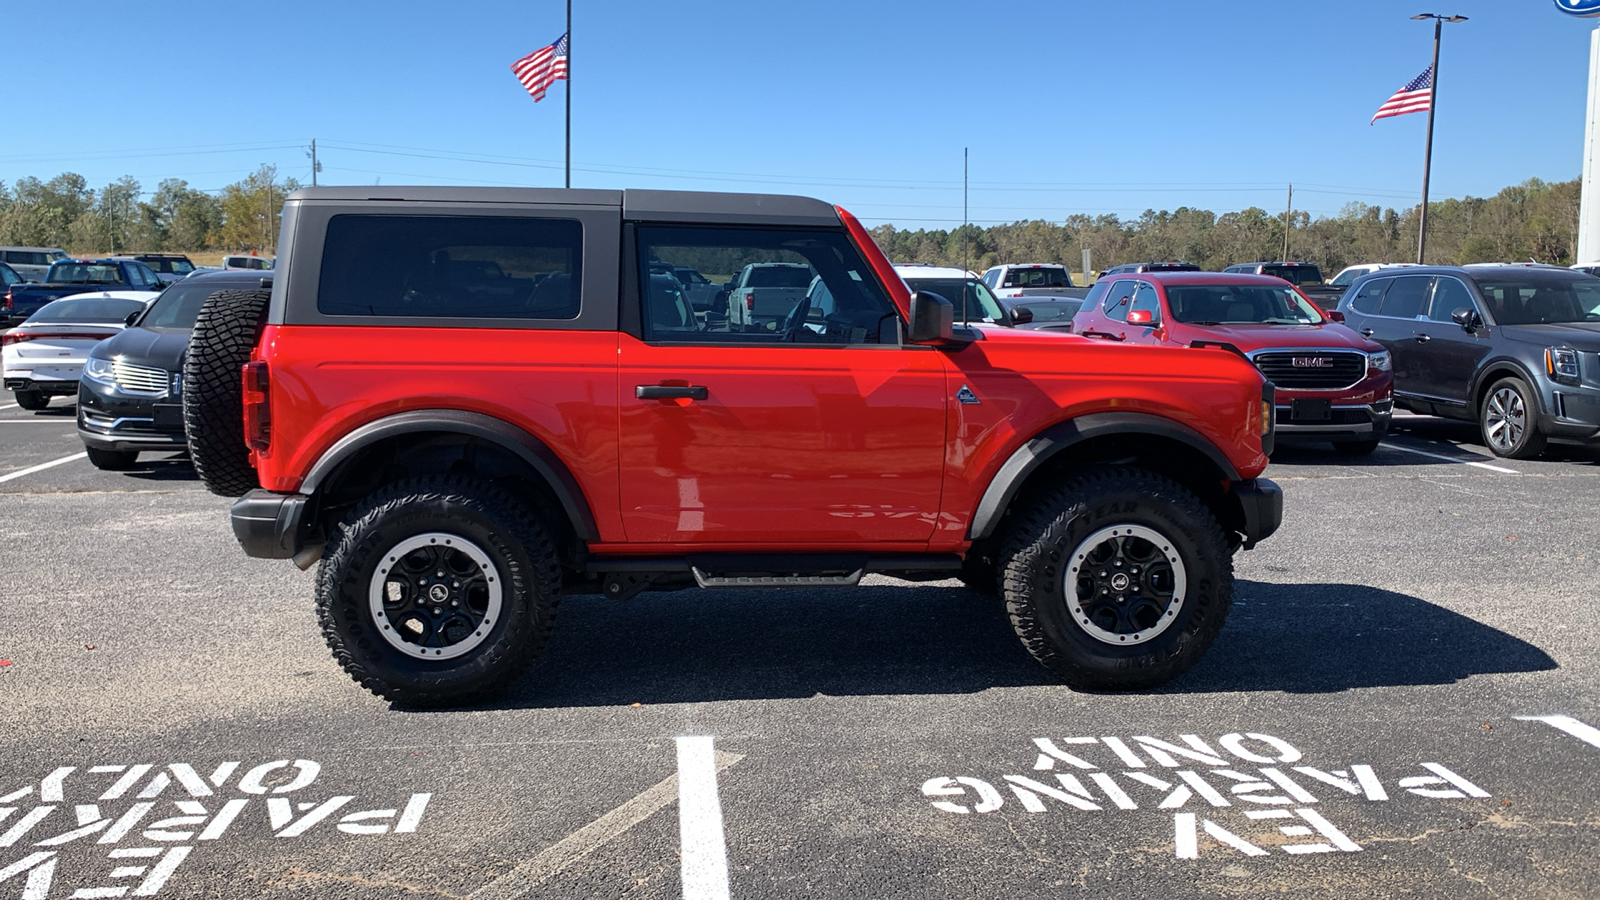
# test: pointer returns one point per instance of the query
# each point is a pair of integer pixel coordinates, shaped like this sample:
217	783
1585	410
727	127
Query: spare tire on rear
224	333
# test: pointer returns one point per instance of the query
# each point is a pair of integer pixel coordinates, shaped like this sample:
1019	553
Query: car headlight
1562	364
1381	361
99	371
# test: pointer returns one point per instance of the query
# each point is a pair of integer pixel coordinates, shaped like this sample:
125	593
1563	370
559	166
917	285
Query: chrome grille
140	379
1324	369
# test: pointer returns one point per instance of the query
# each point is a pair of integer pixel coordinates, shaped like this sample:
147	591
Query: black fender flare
1025	460
525	446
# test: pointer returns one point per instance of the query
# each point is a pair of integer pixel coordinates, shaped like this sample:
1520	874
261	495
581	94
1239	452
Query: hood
145	347
1250	337
1583	336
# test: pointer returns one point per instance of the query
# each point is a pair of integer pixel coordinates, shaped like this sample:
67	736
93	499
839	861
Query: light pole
1433	104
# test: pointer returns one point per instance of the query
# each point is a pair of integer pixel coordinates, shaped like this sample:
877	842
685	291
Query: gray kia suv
1515	347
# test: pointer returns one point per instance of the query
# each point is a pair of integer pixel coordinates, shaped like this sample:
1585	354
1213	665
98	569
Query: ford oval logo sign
1585	8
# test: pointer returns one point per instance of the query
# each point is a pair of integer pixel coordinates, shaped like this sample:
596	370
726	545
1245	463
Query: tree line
65	212
1535	220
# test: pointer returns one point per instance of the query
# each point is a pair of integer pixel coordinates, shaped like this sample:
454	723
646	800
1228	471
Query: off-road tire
1357	448
1513	405
515	542
33	399
1037	558
224	333
112	460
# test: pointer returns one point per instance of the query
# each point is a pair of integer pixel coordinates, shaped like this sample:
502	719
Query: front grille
1316	369
144	380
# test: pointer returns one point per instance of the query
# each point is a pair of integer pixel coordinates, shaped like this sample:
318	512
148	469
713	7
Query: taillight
257	411
8	299
19	336
750	300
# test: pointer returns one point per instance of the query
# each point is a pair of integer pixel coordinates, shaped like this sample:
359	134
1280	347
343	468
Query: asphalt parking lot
1402	702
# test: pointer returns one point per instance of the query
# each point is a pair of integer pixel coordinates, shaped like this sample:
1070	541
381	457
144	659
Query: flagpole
569	96
1427	158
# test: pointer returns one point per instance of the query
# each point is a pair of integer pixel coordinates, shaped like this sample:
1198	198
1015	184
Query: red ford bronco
466	402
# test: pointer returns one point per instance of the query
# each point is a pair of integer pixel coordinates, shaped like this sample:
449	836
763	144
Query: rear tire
1117	579
437	590
1510	420
112	460
33	399
224	333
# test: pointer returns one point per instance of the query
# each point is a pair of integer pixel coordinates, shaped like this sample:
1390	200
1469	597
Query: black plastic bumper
269	525
1261	502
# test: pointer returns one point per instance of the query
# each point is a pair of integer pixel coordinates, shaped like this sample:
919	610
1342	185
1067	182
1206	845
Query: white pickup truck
763	293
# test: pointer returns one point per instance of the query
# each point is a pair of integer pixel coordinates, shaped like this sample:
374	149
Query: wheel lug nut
441	573
455	602
1103	573
437	611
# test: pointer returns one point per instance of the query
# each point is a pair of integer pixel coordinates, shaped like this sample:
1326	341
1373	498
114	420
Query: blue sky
1065	107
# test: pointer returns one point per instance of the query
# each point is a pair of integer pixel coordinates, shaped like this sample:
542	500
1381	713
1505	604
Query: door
1395	327
818	430
1444	355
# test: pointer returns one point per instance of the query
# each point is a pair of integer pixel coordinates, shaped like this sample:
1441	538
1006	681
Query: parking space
1401	702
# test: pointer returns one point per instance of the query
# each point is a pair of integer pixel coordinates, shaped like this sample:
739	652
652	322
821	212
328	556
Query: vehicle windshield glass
1041	276
85	273
171	266
1050	312
1294	274
969	296
1347	276
780	277
178	305
1538	299
1223	304
99	309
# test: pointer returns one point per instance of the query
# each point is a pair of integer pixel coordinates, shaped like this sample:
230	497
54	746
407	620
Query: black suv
1516	347
130	396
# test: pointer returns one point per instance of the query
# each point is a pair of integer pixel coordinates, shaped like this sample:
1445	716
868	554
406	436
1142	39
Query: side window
1449	295
800	287
991	278
1146	301
1408	298
1370	295
492	267
134	276
148	274
1118	298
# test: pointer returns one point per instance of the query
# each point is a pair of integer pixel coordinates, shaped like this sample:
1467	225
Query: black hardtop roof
707	207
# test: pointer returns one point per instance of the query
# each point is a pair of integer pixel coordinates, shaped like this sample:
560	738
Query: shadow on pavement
1326	638
699	646
154	467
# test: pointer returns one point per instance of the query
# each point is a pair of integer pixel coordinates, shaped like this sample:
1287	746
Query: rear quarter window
491	267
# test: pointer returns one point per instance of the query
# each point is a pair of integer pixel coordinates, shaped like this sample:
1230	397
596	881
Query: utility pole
315	166
1288	222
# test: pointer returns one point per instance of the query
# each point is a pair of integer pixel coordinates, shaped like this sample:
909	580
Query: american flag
1416	96
542	68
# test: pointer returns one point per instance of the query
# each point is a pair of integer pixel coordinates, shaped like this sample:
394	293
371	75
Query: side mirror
1141	317
1466	318
1335	316
1021	315
132	318
932	318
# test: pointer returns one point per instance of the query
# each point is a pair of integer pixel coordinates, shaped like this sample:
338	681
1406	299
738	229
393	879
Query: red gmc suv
1332	384
464	402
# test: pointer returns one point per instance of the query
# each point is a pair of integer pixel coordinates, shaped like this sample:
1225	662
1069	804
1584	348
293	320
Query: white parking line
9	406
522	880
1454	459
705	852
42	466
1586	733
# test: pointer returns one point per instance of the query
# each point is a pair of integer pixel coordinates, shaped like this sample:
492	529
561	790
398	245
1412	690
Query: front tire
1510	420
437	590
112	460
1117	579
34	400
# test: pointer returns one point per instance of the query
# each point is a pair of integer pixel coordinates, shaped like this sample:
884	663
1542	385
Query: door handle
1366	332
671	392
1422	338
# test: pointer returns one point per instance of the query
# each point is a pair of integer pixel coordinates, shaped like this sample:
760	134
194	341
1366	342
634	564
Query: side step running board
706	580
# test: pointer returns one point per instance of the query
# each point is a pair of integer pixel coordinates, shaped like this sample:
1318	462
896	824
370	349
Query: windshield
1294	274
85	273
178	305
1543	298
1052	312
970	296
1347	276
170	266
1038	276
87	310
1226	304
